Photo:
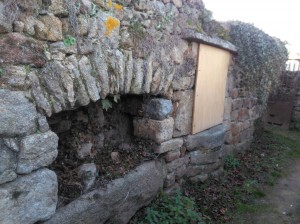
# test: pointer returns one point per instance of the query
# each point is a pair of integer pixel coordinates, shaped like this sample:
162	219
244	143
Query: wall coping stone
194	36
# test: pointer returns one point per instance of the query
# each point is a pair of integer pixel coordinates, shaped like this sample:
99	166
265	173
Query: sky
277	17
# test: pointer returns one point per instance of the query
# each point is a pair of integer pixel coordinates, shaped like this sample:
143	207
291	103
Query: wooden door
210	87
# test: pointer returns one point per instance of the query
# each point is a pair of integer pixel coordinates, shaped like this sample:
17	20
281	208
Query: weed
231	162
172	210
27	69
250	208
165	20
1	72
136	29
69	41
106	104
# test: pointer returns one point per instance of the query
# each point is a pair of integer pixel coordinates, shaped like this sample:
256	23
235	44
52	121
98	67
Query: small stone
125	147
170	180
58	7
18	26
115	156
85	46
5	21
177	3
43	123
99	141
8	164
87	173
12	144
85	150
158	109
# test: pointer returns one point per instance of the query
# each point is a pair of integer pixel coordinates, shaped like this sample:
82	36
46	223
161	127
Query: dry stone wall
61	55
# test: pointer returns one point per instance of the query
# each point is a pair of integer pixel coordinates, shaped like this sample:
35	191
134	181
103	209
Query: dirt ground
281	204
282	201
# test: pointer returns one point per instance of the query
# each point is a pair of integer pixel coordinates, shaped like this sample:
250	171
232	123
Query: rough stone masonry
61	55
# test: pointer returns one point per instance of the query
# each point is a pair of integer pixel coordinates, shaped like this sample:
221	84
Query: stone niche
112	163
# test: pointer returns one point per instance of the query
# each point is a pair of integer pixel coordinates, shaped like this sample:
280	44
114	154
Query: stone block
177	3
247	103
172	166
49	28
58	7
234	115
5	21
208	139
199	178
118	201
194	170
172	155
243	114
245	135
183	112
18	114
227	109
170	145
158	109
237	103
29	199
180	172
14	77
36	151
234	93
27	51
202	158
158	131
183	83
87	173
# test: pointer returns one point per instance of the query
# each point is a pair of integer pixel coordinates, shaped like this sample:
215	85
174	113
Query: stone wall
240	113
283	104
58	57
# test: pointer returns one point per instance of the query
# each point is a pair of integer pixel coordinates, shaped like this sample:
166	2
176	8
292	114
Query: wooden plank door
210	87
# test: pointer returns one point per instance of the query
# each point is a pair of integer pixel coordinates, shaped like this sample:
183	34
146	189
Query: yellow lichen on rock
118	6
111	24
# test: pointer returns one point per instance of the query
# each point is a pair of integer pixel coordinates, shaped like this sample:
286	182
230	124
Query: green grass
251	208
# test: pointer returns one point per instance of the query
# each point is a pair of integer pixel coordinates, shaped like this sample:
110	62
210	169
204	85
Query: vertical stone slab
183	112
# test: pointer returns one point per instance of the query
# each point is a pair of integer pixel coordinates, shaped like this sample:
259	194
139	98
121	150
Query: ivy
261	58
